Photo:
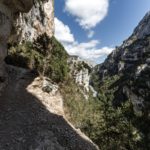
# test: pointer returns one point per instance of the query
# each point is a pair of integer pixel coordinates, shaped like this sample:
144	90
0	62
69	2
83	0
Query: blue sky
92	28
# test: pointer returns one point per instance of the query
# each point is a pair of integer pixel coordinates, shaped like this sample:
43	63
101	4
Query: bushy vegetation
133	132
45	55
116	130
77	108
110	127
81	65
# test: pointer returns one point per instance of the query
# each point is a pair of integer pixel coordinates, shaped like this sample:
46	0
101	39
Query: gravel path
27	124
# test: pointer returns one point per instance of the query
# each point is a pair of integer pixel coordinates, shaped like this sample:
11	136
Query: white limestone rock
7	10
49	87
80	72
39	20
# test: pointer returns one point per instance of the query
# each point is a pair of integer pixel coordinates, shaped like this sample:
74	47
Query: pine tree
119	133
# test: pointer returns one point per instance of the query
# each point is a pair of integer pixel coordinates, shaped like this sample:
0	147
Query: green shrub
45	55
77	108
110	127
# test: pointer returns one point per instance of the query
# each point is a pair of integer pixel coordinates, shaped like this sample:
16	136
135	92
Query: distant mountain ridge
123	83
131	61
140	31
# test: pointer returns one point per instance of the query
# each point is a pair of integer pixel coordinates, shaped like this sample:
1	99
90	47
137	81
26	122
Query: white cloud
90	34
86	50
88	13
63	32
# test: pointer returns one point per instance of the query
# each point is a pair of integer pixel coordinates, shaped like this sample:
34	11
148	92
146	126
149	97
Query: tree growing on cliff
45	55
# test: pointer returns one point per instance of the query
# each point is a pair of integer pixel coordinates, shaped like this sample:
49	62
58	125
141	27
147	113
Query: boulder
49	87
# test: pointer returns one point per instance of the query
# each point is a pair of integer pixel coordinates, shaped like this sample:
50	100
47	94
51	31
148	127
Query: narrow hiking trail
33	120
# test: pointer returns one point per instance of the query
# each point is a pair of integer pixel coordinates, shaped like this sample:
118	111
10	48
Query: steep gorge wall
80	71
39	20
131	62
7	11
32	123
23	20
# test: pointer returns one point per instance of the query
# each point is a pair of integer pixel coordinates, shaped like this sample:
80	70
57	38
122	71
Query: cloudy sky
92	28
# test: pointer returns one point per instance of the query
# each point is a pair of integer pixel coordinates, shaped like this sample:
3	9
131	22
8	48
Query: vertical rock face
142	30
131	62
34	122
80	71
5	29
40	19
7	10
23	20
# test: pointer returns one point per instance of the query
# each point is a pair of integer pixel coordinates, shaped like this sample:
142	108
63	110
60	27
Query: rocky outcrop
39	20
49	87
140	31
23	21
80	71
130	61
7	11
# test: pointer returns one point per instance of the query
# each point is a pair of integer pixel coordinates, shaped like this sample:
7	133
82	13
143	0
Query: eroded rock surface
80	71
7	10
39	20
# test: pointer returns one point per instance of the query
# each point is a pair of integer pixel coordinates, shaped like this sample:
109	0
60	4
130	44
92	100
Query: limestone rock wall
36	119
40	19
131	62
23	20
7	11
80	71
140	31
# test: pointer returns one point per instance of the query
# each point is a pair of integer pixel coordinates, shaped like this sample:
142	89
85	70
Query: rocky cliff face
23	21
7	11
80	71
31	108
131	62
140	31
18	5
39	20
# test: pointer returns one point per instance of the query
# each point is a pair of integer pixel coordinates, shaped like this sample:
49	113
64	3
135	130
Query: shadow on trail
26	124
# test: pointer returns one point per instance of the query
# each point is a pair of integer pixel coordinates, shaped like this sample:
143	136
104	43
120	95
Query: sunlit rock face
80	71
131	62
7	10
142	30
40	19
23	20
